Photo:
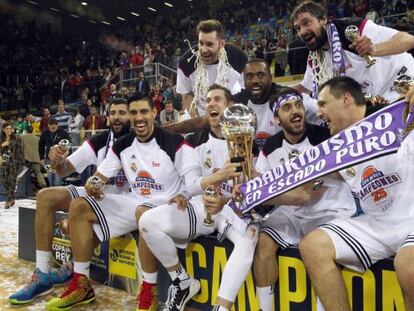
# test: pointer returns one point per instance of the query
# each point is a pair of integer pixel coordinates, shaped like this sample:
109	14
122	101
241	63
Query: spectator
62	117
169	115
142	87
31	155
44	120
94	122
20	126
75	128
52	136
11	150
85	108
112	92
157	98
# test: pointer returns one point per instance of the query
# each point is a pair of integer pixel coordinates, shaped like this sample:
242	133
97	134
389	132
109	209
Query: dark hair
226	91
311	7
211	25
52	121
281	92
340	85
259	61
3	135
118	101
139	97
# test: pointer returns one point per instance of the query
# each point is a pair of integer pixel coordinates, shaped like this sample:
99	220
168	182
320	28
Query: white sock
266	298
81	267
150	278
182	275
43	261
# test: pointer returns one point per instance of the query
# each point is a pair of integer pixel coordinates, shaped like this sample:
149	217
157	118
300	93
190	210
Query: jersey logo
155	164
133	167
146	184
261	138
351	172
375	183
208	163
293	154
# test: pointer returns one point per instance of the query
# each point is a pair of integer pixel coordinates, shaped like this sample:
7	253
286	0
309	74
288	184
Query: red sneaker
147	298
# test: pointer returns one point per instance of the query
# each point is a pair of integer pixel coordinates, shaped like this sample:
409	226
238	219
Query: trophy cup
211	192
403	83
352	33
238	124
63	145
96	184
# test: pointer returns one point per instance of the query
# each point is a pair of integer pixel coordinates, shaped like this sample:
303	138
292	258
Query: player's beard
320	40
125	129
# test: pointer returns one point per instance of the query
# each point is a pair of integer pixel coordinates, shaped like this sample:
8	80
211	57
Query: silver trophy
403	83
96	184
63	145
238	124
211	192
352	33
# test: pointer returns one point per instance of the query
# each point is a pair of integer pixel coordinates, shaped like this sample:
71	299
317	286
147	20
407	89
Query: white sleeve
307	81
262	163
111	165
378	33
189	169
83	157
184	85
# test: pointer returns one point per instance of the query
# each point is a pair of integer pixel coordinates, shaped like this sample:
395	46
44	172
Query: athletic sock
82	267
150	278
266	298
182	275
43	261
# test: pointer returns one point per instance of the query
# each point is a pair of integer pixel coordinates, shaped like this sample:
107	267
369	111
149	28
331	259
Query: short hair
311	7
259	61
6	124
211	25
340	85
118	101
52	121
226	91
281	92
139	97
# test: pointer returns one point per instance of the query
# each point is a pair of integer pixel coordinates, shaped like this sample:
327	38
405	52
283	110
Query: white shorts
77	192
362	241
116	214
286	226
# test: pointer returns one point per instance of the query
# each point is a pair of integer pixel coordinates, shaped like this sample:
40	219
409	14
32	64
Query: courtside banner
377	135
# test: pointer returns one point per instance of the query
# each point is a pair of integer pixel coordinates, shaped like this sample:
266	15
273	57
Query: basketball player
331	54
384	229
51	200
288	224
149	157
213	62
166	226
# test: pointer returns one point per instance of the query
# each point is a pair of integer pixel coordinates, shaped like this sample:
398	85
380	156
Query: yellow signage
122	257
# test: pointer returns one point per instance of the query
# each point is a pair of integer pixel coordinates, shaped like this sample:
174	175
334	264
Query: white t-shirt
152	168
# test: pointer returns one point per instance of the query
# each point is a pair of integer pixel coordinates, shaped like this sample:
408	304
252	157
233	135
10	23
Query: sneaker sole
194	289
85	302
24	302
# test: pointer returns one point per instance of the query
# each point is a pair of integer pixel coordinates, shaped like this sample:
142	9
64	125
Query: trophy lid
238	119
403	83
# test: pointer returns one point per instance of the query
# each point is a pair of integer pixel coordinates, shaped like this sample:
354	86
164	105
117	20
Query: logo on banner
146	184
374	184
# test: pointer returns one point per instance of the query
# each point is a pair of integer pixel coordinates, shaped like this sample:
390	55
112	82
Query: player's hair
226	91
211	25
281	92
118	101
340	85
311	7
259	61
138	97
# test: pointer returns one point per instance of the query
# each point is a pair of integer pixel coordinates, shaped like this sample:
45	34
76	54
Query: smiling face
291	117
332	111
311	30
216	104
118	117
209	45
142	116
257	80
8	131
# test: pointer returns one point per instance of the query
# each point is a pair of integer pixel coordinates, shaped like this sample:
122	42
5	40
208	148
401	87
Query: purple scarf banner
377	135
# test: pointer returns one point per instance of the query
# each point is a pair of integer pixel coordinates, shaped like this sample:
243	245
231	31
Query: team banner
377	135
